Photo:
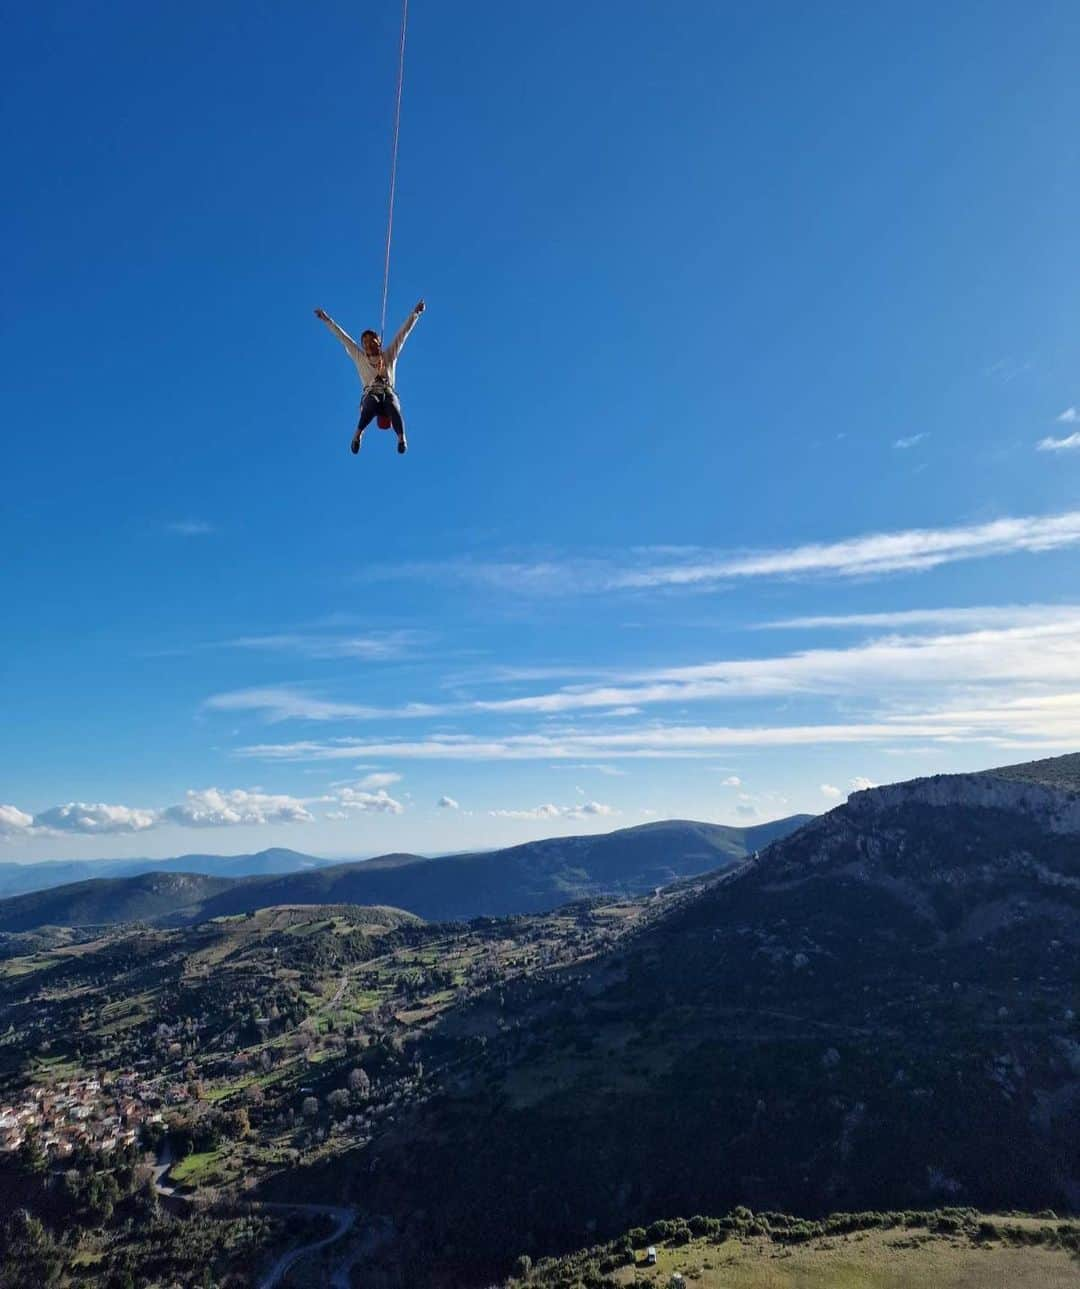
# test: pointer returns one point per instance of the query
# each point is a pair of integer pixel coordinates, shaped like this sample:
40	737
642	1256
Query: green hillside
530	878
104	901
881	1012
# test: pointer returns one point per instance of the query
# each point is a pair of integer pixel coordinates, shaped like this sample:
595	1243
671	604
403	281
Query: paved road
344	1217
164	1163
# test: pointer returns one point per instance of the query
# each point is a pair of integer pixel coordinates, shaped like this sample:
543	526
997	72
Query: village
96	1113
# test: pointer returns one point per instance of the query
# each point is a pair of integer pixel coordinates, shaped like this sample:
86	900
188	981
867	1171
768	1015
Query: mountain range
16	878
529	878
879	1011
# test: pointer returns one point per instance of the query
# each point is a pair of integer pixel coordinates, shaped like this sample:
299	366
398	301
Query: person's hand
321	315
420	307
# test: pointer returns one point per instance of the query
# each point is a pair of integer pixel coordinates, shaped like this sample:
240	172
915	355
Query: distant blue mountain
19	879
530	878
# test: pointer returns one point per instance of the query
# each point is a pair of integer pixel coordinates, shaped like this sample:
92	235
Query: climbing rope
393	165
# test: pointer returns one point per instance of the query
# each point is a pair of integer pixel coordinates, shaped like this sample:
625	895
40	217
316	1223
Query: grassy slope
867	1260
1022	1253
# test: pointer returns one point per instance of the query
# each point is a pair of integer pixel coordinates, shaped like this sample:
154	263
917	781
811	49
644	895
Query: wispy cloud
597	767
910	550
586	810
647	742
190	527
1040	652
868	555
380	779
1065	444
1070	416
974	616
281	703
910	442
379	646
1037	720
1043	648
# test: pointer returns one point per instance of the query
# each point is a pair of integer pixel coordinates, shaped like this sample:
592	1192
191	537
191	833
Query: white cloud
94	819
598	766
1070	416
588	809
190	527
986	684
732	781
1050	444
14	822
874	554
377	646
360	801
1041	651
447	803
213	808
834	794
201	808
867	555
860	783
910	442
982	615
281	703
380	779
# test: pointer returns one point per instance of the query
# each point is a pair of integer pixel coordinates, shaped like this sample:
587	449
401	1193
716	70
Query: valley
875	1013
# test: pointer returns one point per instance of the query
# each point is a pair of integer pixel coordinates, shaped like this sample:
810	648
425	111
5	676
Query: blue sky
744	428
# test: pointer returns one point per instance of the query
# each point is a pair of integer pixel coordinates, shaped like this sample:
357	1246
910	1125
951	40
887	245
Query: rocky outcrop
1055	809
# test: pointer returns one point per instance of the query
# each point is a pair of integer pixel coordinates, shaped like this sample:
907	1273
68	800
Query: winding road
345	1218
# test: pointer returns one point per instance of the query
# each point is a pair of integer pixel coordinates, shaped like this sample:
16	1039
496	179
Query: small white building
650	1256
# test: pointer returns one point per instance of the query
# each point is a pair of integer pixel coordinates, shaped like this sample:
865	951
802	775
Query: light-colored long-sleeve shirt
381	368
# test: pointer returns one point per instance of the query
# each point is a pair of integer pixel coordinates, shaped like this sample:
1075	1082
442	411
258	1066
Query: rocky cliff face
967	852
1055	809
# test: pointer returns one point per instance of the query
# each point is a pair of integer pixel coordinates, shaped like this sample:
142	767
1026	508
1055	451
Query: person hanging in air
376	366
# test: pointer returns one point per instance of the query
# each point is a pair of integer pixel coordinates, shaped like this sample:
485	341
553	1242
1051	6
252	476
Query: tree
359	1084
310	1108
237	1124
338	1101
31	1259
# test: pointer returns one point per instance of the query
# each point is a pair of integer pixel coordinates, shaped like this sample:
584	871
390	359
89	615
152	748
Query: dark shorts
382	403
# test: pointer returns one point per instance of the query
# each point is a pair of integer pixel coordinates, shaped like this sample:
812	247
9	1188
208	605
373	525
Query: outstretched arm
403	335
351	347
